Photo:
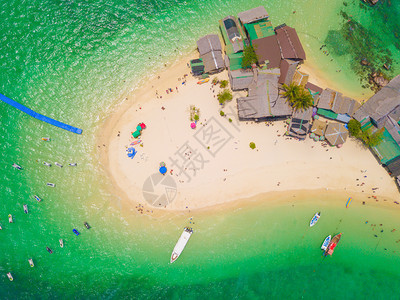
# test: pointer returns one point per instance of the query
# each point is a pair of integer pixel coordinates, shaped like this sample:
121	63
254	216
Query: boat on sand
180	245
332	244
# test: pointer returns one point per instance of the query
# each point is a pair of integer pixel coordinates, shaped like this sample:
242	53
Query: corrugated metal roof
289	43
209	43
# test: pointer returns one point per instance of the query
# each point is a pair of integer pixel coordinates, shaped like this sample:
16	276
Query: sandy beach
213	164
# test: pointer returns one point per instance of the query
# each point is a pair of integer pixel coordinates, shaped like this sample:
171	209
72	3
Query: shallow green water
73	61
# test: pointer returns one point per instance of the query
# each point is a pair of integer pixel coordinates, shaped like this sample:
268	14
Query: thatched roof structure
264	100
300	123
326	99
318	127
252	15
384	103
289	43
336	134
240	79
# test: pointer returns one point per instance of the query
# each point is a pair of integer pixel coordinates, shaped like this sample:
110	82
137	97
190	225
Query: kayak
75	231
49	250
10	219
61	243
58	164
73	165
87	225
10	276
326	242
47	164
50	184
46	139
315	219
31	262
25	208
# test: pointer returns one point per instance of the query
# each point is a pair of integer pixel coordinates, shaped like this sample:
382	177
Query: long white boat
315	219
180	245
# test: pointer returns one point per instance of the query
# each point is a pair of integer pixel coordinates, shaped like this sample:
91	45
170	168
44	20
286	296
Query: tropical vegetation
224	96
252	145
223	84
297	96
368	137
249	57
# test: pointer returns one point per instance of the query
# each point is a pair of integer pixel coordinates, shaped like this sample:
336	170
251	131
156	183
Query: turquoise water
74	61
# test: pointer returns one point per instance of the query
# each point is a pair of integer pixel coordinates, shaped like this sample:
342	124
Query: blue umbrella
163	170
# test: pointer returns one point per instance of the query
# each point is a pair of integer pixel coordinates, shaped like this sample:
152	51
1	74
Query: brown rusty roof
268	49
289	43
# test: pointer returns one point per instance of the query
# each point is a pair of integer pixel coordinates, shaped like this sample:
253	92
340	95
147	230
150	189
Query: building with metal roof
232	34
210	50
300	123
289	43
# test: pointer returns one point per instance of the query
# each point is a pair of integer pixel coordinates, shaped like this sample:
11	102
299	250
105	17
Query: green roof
327	113
388	149
259	29
235	60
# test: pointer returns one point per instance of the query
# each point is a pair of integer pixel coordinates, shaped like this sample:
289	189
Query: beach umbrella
339	146
321	138
315	139
312	135
316	117
336	134
193	125
163	170
143	126
162	164
139	128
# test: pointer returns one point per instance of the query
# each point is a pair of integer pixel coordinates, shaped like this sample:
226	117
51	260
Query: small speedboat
31	262
10	276
326	242
25	208
75	231
49	250
46	139
61	243
10	219
50	184
37	198
315	219
73	164
87	225
18	167
47	164
58	164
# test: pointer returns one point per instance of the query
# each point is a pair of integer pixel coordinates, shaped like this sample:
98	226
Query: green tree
252	145
223	84
215	80
196	117
371	139
224	96
354	127
297	97
249	57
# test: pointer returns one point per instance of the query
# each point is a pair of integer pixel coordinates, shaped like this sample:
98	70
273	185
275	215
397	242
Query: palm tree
303	101
297	97
291	92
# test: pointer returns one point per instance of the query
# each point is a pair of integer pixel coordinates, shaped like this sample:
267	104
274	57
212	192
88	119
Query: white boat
10	276
25	208
326	242
58	164
18	167
50	184
315	219
180	245
61	243
10	219
37	198
31	262
47	164
73	164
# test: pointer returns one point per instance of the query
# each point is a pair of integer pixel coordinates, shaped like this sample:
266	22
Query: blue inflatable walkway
39	116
